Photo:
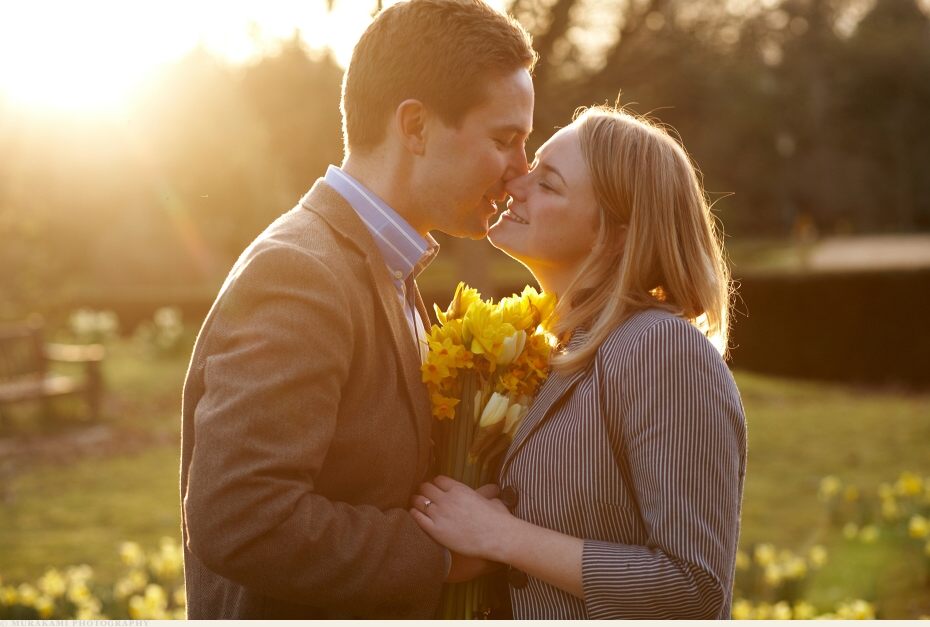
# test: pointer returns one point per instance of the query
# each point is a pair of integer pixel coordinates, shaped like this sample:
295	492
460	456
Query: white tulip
494	411
513	346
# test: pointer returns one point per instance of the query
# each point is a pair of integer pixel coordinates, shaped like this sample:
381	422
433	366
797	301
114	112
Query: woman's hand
464	520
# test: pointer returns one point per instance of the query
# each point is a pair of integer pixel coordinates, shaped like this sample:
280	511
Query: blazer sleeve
279	356
679	424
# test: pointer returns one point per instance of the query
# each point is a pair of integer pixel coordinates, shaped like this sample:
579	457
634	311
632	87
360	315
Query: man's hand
466	568
489	491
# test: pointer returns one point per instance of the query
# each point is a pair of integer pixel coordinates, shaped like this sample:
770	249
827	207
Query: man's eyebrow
513	128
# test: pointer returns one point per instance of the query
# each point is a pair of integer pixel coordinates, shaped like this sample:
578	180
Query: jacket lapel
553	391
339	214
556	387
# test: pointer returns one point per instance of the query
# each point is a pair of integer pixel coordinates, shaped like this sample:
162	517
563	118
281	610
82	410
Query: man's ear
410	122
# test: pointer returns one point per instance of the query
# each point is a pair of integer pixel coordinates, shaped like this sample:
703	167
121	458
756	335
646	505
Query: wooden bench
25	374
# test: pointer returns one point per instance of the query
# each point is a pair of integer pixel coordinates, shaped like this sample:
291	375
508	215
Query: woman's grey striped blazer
643	456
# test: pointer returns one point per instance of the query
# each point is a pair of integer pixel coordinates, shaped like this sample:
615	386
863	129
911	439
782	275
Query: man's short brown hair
440	52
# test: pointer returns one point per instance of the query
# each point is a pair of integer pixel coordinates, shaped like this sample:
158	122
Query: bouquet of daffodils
485	364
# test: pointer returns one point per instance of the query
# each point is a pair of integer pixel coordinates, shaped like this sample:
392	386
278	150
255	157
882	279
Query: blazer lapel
545	403
553	391
339	214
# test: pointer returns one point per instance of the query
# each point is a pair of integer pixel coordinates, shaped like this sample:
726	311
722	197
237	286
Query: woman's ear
618	242
410	123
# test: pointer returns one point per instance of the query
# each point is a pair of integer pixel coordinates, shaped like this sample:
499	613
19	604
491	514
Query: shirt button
398	275
517	578
509	497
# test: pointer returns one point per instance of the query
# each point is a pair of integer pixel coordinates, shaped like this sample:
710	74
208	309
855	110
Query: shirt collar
404	250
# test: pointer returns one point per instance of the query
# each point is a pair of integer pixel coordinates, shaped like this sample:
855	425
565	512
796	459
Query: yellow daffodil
52	584
764	554
850	531
781	611
869	534
918	527
890	509
829	487
462	299
443	406
45	607
484	324
27	594
742	610
78	592
518	312
856	610
544	304
763	611
795	568
773	574
446	350
817	556
9	596
131	554
909	484
434	370
803	611
742	561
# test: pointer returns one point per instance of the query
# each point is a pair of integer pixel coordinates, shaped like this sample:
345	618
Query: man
306	427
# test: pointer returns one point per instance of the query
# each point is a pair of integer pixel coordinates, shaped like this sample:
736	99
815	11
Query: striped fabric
643	456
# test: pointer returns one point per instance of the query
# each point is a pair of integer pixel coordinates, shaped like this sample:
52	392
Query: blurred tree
297	97
885	117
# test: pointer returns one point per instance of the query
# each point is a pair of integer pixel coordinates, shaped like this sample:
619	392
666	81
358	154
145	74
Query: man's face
466	168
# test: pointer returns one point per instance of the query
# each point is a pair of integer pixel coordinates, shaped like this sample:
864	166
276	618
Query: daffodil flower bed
152	587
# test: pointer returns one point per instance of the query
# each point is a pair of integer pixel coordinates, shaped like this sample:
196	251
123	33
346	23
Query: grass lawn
58	513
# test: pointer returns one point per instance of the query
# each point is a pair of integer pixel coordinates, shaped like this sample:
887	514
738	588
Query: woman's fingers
446	483
431	491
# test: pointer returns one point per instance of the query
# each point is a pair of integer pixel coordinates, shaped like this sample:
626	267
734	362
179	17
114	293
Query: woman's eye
546	186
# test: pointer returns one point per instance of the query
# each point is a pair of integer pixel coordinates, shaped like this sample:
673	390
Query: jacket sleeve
278	357
678	422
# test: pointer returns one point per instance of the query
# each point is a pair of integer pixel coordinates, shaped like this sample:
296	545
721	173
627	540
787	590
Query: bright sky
88	55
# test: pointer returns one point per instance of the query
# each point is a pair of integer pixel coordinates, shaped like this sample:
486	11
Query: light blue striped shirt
405	251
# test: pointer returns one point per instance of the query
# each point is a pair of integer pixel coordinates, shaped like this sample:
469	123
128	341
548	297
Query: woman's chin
499	237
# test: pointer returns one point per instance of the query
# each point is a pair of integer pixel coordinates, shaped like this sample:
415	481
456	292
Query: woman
620	494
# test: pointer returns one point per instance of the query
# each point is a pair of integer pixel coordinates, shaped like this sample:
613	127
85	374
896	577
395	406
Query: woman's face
552	220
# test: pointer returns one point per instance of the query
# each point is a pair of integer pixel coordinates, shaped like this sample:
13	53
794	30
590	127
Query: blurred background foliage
804	115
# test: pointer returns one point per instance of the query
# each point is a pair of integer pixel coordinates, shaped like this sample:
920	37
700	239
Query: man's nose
518	165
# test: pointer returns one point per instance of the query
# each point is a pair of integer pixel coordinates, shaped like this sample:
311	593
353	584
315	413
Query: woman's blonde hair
658	244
